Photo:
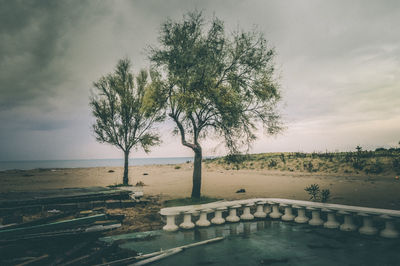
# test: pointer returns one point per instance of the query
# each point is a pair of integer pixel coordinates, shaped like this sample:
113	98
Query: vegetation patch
119	185
316	194
189	201
379	161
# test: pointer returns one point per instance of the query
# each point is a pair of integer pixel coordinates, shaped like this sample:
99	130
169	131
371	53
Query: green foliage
396	163
188	201
272	163
316	194
374	168
177	167
313	190
124	118
235	158
325	195
310	166
282	156
359	164
369	162
215	83
119	185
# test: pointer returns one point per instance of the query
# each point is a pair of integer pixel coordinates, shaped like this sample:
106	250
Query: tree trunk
125	179
196	188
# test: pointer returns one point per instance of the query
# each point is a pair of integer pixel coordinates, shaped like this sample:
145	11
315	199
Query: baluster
301	215
232	217
288	216
315	217
331	222
218	216
368	226
246	212
203	222
389	231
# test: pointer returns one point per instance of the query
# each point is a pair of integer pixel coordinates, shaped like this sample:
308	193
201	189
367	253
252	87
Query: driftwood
40	220
51	226
69	253
80	197
33	260
131	259
164	255
65	232
158	255
85	259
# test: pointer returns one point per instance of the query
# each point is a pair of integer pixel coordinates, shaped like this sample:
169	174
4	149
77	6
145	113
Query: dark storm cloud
339	61
31	40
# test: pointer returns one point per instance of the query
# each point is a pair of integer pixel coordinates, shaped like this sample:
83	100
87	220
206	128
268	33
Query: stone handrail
270	207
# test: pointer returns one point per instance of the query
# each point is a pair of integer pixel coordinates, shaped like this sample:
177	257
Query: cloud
339	62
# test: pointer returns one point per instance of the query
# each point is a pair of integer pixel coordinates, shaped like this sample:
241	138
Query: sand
166	181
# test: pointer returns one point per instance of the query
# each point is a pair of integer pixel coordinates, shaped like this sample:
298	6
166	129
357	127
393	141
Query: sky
338	63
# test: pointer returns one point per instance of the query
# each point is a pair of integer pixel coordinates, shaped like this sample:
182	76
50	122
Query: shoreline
169	181
25	165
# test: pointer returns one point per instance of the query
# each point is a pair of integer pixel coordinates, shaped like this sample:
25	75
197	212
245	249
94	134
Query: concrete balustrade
390	230
315	217
218	216
170	225
260	210
203	222
275	214
288	215
348	223
187	220
247	216
368	227
301	217
232	217
270	207
267	208
331	222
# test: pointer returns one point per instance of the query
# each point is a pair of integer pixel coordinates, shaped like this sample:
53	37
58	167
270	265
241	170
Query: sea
52	164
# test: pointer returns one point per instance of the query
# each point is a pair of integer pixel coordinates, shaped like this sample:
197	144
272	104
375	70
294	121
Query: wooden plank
52	226
164	255
85	196
33	260
158	255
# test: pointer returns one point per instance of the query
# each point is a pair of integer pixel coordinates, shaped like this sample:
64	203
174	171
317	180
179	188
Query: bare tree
124	112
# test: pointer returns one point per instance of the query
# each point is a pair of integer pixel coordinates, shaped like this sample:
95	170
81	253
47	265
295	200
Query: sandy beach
168	182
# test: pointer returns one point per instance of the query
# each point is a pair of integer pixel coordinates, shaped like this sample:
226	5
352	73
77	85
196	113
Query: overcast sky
339	63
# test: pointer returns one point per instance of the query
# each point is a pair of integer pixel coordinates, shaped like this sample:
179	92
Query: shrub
396	163
316	194
177	167
235	158
359	164
325	194
313	190
308	166
272	163
375	168
282	155
140	184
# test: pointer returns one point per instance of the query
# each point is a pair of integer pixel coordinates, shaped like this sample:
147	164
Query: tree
124	112
215	84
